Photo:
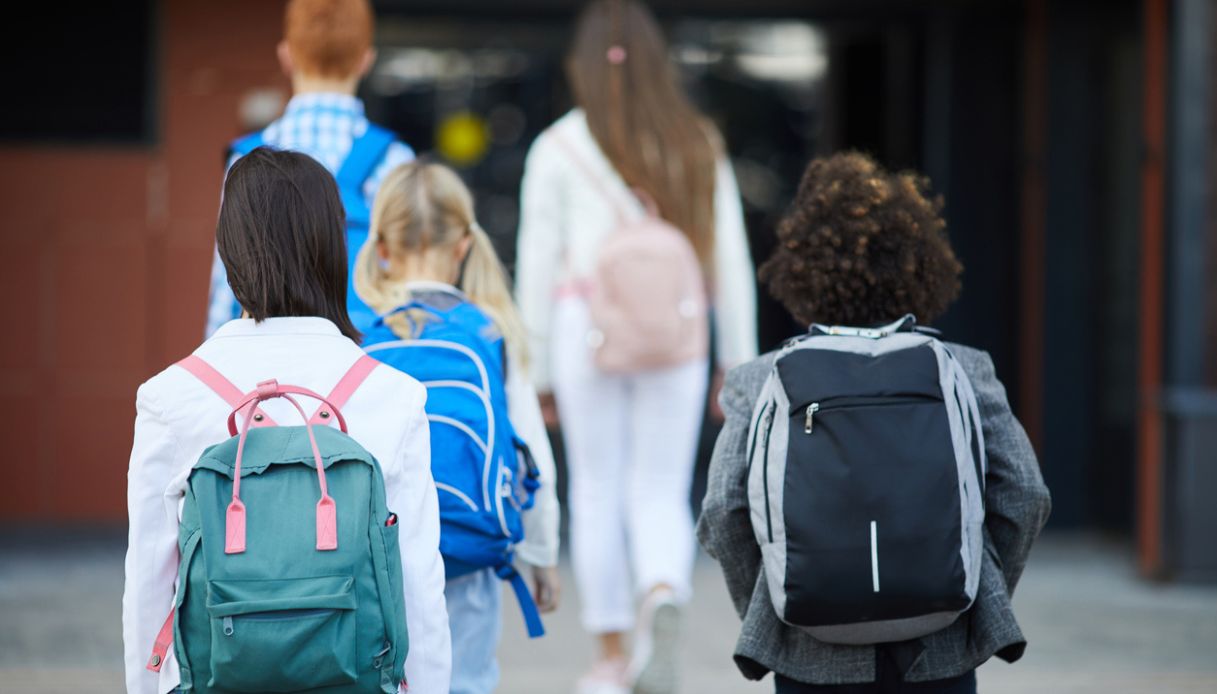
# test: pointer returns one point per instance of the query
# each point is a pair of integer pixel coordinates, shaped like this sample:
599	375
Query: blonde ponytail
425	209
372	282
484	281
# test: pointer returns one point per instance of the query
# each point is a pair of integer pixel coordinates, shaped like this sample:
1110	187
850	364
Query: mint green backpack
290	569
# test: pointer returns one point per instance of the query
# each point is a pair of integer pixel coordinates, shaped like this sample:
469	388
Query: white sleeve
539	252
410	492
735	279
152	555
540	546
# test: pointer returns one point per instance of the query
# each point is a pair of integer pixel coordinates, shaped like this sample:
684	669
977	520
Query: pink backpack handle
327	512
264	392
346	387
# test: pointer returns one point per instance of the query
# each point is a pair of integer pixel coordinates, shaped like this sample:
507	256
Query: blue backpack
367	151
483	471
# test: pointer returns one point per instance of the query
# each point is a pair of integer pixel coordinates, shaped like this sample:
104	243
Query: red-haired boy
326	50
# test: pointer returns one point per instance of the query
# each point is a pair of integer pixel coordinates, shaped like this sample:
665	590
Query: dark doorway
933	86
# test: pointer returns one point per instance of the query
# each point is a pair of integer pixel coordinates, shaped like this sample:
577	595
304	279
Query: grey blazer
1016	505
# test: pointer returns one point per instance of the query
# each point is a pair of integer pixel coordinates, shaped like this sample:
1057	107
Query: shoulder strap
589	173
247	144
222	387
164	638
532	617
347	385
366	152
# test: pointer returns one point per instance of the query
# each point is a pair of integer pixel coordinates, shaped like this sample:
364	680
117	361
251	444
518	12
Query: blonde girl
428	266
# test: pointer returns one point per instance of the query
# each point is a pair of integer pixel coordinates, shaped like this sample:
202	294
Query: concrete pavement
1092	625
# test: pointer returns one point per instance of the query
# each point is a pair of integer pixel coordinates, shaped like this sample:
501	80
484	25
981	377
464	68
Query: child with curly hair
864	247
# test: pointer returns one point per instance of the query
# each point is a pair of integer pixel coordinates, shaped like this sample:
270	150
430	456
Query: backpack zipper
847	403
765	472
756	425
500	490
273	616
809	420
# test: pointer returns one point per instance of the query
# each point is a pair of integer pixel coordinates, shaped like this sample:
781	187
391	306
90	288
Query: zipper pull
808	422
228	626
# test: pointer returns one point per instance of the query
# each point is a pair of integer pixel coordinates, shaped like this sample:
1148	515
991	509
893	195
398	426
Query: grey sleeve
1016	501
724	528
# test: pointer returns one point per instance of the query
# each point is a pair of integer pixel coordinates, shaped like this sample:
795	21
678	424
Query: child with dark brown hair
864	247
281	240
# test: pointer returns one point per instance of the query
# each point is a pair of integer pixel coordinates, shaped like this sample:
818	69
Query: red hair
328	38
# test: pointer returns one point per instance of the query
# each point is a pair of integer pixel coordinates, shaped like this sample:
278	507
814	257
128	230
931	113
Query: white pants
631	442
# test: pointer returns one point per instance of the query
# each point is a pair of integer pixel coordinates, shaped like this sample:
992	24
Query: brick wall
104	261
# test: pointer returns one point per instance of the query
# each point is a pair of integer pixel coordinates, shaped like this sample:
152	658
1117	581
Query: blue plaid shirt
322	126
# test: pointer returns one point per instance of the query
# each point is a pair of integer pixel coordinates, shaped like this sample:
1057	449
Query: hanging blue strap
532	618
367	151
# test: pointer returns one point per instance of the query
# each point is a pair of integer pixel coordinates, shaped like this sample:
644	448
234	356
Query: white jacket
177	417
564	218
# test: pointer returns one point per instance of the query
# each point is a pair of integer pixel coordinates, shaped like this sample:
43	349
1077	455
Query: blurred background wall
1074	141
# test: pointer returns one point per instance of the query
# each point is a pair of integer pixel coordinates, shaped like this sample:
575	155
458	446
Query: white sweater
177	417
564	218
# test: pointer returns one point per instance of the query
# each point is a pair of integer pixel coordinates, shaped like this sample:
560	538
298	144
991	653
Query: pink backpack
647	296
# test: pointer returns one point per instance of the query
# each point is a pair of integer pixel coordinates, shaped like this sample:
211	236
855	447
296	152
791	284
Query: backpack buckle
379	657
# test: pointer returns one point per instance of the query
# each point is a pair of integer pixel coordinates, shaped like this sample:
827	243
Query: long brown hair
282	238
656	139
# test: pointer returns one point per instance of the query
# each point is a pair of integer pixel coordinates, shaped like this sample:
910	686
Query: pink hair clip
616	55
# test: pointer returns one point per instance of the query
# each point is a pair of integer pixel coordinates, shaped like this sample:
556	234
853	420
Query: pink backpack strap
347	385
223	387
594	178
163	640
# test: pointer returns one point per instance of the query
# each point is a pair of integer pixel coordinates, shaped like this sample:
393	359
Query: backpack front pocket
282	635
878	516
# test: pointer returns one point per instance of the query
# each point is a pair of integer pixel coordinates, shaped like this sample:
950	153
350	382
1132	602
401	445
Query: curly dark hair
862	246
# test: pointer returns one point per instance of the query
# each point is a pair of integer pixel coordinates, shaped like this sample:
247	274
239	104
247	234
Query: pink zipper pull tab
327	524
234	528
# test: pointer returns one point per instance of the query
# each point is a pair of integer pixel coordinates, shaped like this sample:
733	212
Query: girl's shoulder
976	363
979	367
167	387
571	127
572	122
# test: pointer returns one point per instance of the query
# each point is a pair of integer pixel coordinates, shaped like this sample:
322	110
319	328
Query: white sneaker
653	668
605	677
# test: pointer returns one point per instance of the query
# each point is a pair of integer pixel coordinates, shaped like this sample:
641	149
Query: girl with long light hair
428	261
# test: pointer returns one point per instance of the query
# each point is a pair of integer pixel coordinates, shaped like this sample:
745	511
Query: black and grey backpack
866	484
